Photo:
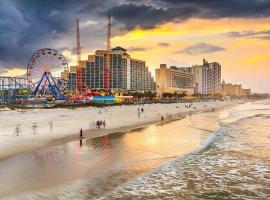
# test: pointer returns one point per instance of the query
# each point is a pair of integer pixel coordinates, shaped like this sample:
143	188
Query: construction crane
107	56
78	68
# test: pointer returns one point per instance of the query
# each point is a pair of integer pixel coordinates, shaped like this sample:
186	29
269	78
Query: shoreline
95	133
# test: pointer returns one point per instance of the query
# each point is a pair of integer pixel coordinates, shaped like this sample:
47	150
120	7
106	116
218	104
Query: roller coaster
12	88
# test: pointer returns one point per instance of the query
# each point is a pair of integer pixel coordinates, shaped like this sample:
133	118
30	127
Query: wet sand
95	166
30	142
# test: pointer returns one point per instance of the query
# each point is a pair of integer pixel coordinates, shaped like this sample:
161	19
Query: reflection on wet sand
91	167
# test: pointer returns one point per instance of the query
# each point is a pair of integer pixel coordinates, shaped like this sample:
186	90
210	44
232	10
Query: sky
235	33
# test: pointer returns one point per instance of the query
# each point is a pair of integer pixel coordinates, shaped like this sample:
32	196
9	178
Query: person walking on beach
17	130
81	133
34	128
162	119
104	124
51	126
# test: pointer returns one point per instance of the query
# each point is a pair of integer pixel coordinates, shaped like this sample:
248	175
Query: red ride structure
78	68
107	57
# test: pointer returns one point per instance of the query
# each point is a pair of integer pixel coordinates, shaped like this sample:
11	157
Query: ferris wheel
43	68
45	60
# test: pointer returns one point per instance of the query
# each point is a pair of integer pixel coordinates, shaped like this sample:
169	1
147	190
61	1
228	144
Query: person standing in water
81	133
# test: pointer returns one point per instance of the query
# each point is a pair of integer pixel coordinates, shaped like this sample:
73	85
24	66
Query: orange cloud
14	72
257	58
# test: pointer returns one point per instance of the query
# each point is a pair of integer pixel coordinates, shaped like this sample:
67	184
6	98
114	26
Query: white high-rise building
207	77
213	82
199	75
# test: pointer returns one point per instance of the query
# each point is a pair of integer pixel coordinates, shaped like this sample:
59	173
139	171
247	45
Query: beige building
207	77
229	89
246	92
64	74
173	80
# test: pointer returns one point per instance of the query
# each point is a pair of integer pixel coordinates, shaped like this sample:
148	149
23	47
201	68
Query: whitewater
232	163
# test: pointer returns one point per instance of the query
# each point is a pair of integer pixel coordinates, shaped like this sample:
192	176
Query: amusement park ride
44	75
41	70
107	56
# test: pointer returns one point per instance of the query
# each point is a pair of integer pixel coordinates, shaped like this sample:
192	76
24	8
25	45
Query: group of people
140	110
100	123
188	106
97	125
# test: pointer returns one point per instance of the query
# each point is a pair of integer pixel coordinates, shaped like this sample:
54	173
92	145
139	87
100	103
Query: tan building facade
234	90
246	92
173	80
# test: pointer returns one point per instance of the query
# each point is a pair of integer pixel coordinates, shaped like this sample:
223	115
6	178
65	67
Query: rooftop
118	49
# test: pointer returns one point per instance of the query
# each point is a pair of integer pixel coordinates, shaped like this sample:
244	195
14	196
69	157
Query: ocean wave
136	187
229	165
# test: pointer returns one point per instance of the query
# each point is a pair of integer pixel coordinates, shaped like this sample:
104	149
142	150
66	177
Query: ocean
233	163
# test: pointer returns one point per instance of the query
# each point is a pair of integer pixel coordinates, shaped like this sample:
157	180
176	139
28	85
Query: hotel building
207	77
174	80
72	83
234	90
126	73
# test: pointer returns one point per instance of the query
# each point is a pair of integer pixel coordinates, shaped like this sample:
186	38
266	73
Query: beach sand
38	128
